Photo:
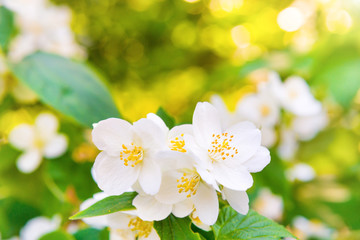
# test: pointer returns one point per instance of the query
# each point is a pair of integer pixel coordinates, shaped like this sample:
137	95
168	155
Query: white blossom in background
305	116
297	98
37	227
269	205
42	26
302	172
38	141
123	225
129	154
307	229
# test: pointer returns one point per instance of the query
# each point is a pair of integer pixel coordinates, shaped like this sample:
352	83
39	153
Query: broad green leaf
173	228
232	225
169	121
108	205
57	235
6	27
68	86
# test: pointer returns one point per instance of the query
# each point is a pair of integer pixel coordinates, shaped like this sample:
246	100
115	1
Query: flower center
39	143
265	110
221	148
142	228
131	155
177	144
188	183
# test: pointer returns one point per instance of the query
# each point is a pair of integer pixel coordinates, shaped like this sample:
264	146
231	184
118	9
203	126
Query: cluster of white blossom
42	26
36	141
178	171
287	107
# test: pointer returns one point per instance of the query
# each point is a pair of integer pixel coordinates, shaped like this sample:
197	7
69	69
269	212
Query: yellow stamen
131	156
265	110
140	227
188	184
221	148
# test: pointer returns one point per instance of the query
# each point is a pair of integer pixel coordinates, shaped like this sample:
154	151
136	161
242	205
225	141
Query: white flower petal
22	136
46	125
112	176
150	177
247	139
118	220
206	204
207	177
122	234
56	146
227	118
29	161
158	121
149	209
152	137
181	129
206	122
110	134
170	160
238	200
268	136
183	208
234	178
257	162
200	155
169	192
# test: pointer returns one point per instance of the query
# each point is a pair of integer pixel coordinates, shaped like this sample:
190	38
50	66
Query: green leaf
6	27
232	225
173	228
92	234
169	121
68	86
57	235
108	205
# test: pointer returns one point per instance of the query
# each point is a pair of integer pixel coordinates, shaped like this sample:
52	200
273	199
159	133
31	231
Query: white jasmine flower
302	172
38	140
307	229
38	227
269	205
260	108
229	155
129	154
123	225
188	187
296	97
42	27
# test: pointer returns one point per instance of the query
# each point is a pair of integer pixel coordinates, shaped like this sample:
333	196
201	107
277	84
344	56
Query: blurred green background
174	53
